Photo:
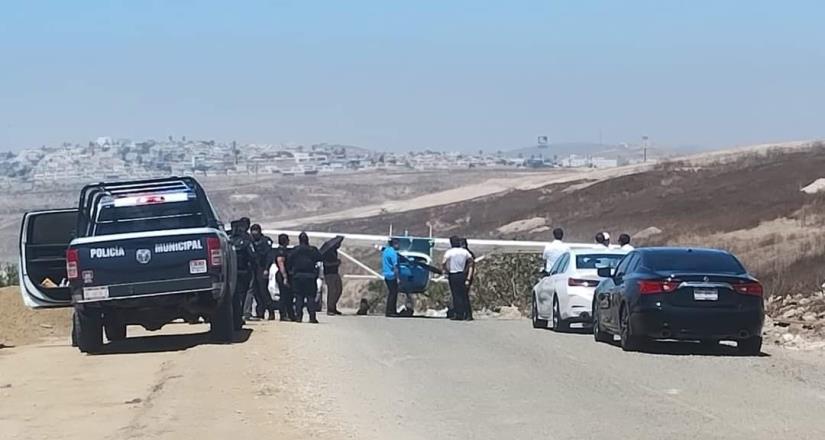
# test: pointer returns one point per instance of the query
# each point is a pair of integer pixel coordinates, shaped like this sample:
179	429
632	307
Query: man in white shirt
603	238
457	263
624	243
554	249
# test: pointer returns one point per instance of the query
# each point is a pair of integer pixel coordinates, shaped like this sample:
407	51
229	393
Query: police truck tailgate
151	263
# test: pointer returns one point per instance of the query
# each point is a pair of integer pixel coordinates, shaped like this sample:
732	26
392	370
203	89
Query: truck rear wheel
88	329
222	324
115	329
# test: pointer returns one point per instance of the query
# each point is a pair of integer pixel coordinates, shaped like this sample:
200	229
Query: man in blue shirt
389	266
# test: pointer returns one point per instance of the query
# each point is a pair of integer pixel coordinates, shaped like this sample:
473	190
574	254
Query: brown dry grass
750	204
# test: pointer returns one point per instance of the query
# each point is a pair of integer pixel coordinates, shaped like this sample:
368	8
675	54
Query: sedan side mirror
605	272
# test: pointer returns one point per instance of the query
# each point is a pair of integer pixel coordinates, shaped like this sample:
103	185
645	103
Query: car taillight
213	248
71	264
651	287
575	282
754	289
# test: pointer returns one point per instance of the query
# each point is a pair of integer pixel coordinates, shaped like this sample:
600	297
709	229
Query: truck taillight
71	264
213	247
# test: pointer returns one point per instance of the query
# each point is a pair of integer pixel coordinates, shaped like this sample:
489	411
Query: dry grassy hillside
752	205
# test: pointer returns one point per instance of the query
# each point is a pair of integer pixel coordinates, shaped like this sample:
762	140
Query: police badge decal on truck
143	256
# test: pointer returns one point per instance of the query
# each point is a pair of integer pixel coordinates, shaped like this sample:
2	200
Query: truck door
44	238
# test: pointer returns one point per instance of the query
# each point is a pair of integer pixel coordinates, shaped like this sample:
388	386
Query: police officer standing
264	257
245	257
333	280
302	266
286	305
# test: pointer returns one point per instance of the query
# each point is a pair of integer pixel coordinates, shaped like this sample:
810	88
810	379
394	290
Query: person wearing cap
264	257
624	243
389	270
602	240
302	265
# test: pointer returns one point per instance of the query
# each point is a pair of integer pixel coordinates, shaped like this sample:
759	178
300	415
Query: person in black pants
471	272
389	268
333	281
245	260
264	257
286	305
302	265
457	263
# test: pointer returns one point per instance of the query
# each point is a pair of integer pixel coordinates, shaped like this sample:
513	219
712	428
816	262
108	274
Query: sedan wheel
559	324
537	322
630	342
598	334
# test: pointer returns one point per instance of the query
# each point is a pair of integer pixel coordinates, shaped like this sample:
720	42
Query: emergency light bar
150	199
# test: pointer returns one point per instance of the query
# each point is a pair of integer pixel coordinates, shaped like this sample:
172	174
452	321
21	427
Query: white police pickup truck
132	253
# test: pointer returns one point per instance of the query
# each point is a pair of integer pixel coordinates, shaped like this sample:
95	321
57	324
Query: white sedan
565	295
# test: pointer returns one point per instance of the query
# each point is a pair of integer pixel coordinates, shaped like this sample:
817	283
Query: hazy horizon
460	76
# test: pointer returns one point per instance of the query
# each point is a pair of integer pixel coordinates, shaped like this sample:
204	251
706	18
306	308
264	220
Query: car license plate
197	266
95	293
705	294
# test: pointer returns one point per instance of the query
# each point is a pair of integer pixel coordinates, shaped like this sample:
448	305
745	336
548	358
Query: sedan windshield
693	262
595	261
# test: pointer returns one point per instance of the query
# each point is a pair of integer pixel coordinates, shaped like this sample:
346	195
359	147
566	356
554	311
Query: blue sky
462	75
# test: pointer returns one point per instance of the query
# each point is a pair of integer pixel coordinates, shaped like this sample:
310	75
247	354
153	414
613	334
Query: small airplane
416	268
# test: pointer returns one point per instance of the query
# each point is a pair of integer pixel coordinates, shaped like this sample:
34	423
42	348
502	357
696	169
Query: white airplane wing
477	245
365	240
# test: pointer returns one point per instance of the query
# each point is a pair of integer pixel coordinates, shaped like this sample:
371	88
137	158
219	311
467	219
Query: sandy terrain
20	325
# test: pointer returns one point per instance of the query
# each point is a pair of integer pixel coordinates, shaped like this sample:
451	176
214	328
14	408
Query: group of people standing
458	264
558	247
297	271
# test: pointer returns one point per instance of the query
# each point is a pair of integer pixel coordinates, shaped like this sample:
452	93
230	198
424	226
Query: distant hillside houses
107	158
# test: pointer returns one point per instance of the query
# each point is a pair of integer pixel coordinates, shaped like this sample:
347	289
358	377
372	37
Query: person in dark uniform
245	256
470	278
302	265
333	281
264	257
245	223
286	305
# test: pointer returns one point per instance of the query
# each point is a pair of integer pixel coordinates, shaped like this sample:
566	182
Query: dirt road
371	378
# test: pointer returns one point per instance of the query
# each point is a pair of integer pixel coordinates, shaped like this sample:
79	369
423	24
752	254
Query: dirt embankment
20	325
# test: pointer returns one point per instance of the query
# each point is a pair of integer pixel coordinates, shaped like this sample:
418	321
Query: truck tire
222	323
75	326
88	330
115	329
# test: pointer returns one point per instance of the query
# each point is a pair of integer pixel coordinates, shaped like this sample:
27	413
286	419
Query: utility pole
644	146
